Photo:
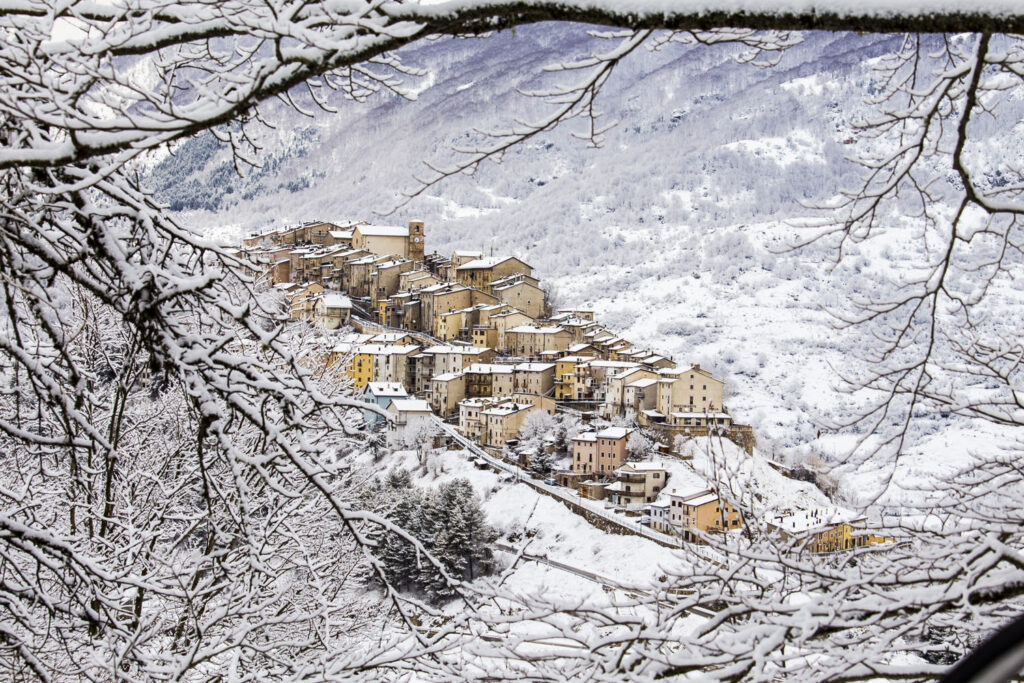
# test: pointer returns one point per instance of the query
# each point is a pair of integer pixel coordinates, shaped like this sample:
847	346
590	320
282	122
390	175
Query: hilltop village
471	339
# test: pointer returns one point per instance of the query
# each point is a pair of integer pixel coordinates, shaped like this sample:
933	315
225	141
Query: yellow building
565	377
701	512
360	369
485	336
824	530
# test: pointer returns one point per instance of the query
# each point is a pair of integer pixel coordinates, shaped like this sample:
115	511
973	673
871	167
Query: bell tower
416	238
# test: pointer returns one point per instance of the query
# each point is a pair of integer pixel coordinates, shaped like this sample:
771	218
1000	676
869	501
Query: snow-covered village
464	353
432	341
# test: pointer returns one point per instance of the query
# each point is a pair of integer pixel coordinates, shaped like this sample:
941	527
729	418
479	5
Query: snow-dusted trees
173	496
451	526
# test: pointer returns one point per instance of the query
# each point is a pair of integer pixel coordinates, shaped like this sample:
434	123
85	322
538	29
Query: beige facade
448	359
636	484
615	392
445	393
484	336
522	293
534	378
503	422
483	379
480	273
332	310
692	390
507	320
600	453
360	274
545	403
445	298
389	363
471	417
384	240
384	281
528	341
302	299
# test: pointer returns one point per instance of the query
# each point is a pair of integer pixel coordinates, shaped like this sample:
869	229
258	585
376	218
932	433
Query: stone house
614	390
533	378
522	292
480	273
528	341
484	379
387	240
471	418
502	422
446	390
504	321
384	280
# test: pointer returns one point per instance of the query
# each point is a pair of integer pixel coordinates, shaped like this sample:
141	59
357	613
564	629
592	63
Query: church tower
416	238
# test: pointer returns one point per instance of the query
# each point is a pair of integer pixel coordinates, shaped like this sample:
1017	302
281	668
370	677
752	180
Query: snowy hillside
675	231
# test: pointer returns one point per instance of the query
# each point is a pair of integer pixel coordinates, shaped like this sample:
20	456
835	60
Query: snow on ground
551	529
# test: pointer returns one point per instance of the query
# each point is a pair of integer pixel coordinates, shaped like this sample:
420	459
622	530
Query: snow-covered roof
446	377
488	369
615	486
799	521
468	252
380	389
441	286
641	467
340	234
388	337
488	262
334	300
383	230
444	348
612	364
585	436
410	405
508	408
614	432
642	383
652	413
534	367
697	501
386	350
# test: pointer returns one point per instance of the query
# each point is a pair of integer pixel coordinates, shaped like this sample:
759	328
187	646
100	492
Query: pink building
600	453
